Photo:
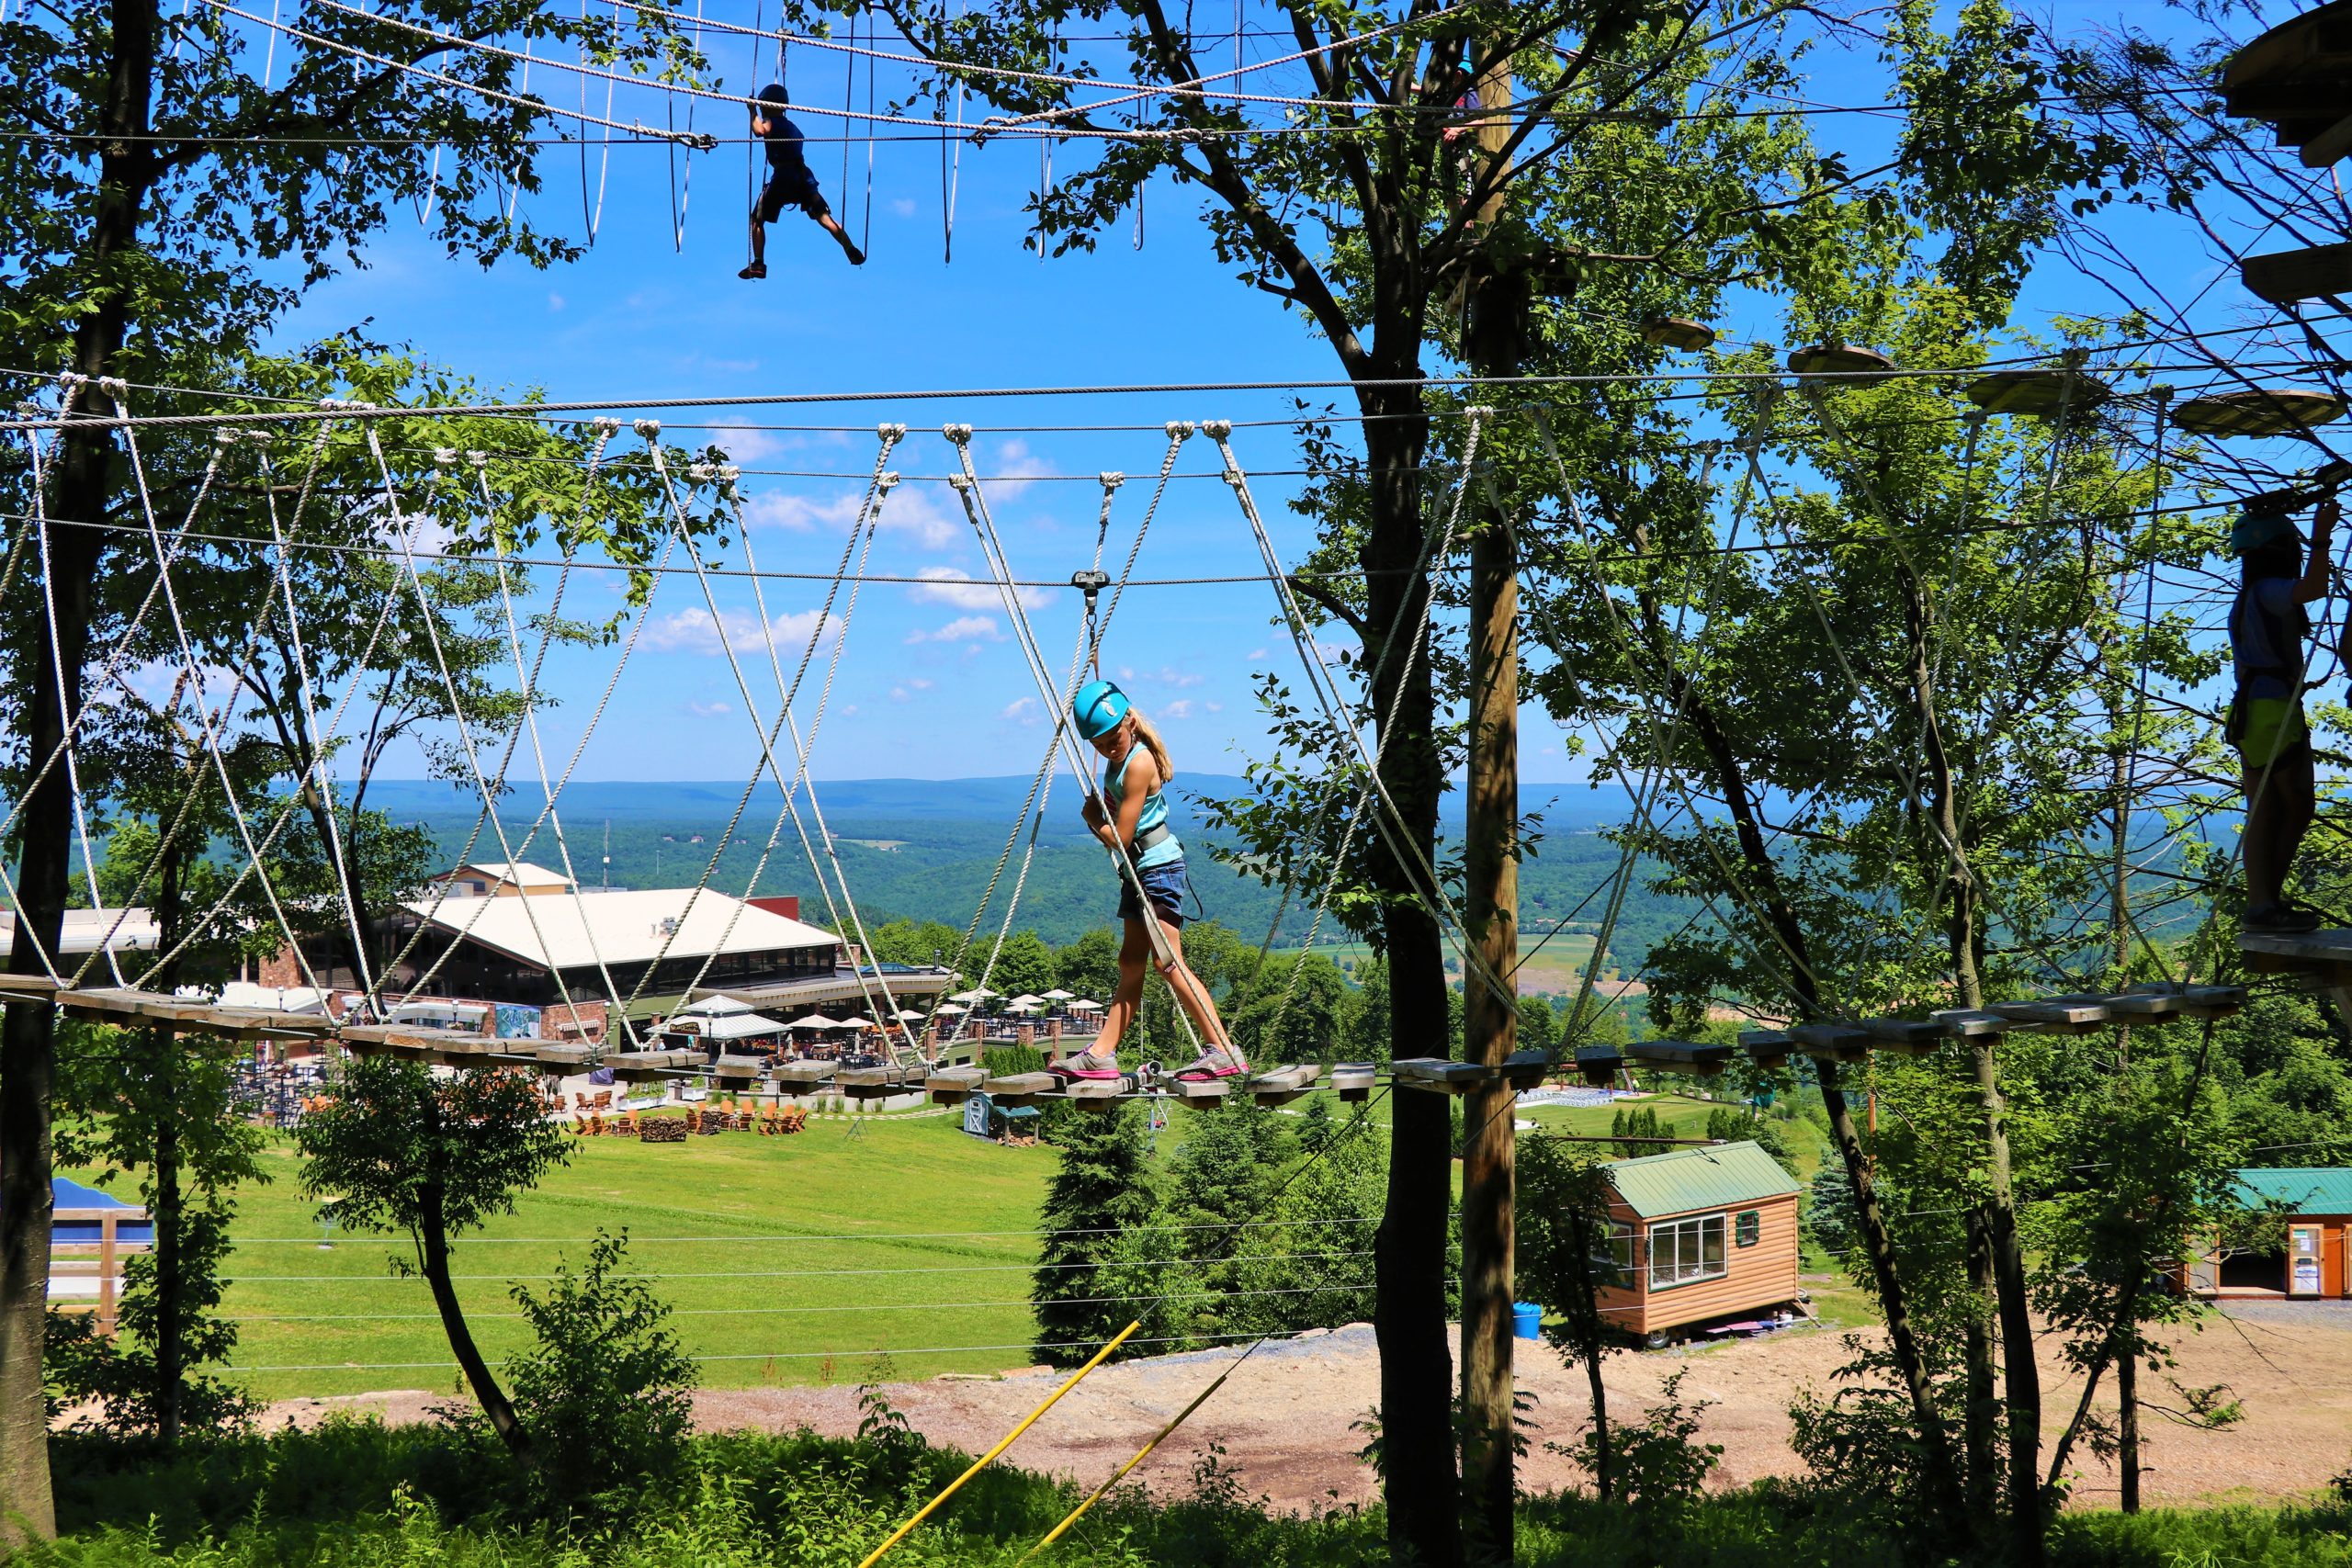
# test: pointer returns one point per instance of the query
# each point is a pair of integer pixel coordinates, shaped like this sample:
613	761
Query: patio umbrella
1024	1000
950	1007
1082	1005
977	993
860	1022
1058	995
816	1021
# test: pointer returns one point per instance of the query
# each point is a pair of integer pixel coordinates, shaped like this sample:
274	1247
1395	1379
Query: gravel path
1285	1419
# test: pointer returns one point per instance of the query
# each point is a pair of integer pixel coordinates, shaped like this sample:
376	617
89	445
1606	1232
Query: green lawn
761	1245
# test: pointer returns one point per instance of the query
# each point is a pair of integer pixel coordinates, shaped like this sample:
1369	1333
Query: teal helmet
1098	708
2264	523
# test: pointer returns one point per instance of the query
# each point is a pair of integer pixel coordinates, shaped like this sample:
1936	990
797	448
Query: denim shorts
1166	887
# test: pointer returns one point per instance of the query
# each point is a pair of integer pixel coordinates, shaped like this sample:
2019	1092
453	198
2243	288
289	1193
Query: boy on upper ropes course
2268	626
1137	771
791	182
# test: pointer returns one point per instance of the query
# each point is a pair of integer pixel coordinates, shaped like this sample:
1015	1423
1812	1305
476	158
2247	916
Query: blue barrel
1526	1320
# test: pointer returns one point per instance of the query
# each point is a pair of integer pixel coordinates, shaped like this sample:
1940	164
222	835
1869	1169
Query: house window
1683	1252
1747	1228
1613	1260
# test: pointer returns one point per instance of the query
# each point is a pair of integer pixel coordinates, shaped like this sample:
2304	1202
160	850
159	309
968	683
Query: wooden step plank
2328	953
2211	1001
1968	1023
2144	1007
1020	1088
1768	1047
1439	1074
952	1085
1678	1057
806	1073
1283	1084
31	987
1098	1094
2058	1015
1905	1036
568	1057
1599	1064
1355	1081
1836	1042
1527	1069
1204	1093
741	1069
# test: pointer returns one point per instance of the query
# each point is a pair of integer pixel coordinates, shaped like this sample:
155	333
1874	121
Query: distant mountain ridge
1568	809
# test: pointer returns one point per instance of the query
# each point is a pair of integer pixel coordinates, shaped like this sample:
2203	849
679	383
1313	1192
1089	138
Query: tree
1569	1250
165	176
401	1148
1101	1262
1024	965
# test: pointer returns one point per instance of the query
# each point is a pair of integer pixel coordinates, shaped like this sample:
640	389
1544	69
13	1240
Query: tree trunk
433	1246
28	1039
2127	1448
1420	1481
1984	1413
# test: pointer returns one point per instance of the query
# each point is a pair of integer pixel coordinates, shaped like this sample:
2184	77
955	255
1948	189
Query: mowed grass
786	1260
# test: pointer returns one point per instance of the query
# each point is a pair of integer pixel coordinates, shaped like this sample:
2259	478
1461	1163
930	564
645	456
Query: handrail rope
426	613
1393	827
861	536
529	686
657	573
1432	549
242	673
975	511
650	429
323	742
886	1014
188	656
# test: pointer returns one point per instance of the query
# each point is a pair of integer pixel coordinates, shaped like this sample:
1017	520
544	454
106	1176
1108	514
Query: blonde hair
1153	743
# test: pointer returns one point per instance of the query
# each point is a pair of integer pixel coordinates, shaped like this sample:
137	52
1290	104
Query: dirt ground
1284	1419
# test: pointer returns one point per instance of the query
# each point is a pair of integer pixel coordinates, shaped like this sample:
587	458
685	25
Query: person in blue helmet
1136	774
2268	625
791	182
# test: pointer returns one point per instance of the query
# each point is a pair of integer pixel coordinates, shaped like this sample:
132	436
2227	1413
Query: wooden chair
792	1119
694	1117
629	1127
603	1100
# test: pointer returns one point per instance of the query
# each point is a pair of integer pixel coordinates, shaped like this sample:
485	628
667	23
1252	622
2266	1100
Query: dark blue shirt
784	141
2267	624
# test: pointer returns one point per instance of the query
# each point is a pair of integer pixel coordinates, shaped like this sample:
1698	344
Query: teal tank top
1155	813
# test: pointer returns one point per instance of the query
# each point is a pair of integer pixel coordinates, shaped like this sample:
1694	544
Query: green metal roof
1716	1176
2304	1190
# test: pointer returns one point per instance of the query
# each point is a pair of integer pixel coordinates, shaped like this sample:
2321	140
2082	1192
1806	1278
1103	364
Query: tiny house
2310	1264
1700	1236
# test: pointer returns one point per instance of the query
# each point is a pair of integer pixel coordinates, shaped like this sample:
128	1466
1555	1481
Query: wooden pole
1498	315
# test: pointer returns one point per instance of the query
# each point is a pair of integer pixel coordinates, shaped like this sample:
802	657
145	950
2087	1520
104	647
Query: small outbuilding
1701	1236
2315	1201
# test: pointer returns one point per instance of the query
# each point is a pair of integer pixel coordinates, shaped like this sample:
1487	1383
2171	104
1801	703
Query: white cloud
904	692
773	509
1180	709
1021	710
963	628
849	710
952	585
1177	678
706	710
1256	655
1215	707
914	512
745	445
1014	466
555	302
902	207
692	631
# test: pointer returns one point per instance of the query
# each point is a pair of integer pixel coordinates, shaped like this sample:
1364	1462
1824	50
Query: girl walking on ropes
2268	625
1137	772
791	182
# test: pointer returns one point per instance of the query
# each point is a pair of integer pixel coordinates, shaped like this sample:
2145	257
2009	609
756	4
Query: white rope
968	488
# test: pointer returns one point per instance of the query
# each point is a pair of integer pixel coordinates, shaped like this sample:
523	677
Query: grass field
787	1260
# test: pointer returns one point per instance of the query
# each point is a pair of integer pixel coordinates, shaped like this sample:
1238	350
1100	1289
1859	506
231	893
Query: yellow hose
1141	1454
982	1462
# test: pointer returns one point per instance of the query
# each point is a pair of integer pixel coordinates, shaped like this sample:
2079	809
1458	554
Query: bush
605	1392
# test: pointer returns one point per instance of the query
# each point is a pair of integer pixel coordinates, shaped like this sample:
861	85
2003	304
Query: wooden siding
2336	1268
1754	1278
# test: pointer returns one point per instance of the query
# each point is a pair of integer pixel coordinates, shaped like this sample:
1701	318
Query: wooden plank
1283	1084
2060	1015
2144	1007
1201	1092
1967	1023
1097	1094
2211	1001
1527	1069
808	1074
2324	950
1599	1063
1438	1075
744	1069
1833	1041
1768	1047
1355	1081
1678	1057
30	988
562	1056
2285	278
953	1085
1020	1088
1905	1036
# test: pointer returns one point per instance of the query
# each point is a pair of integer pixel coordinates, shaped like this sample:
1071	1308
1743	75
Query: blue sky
931	687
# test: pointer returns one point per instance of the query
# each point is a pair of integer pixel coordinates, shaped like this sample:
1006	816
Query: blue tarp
85	1233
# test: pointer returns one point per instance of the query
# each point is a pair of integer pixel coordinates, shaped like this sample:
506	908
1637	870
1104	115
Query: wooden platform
2322	956
1678	1057
1355	1081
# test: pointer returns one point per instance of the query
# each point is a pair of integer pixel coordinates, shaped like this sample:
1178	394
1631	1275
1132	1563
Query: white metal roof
124	931
626	927
520	873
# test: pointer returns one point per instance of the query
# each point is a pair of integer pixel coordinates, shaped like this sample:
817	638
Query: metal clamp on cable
1091	585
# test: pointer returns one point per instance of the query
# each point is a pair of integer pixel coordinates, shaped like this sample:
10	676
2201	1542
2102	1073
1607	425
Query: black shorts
791	190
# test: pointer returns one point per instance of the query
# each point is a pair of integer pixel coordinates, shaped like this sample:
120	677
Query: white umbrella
907	1015
1058	995
979	994
816	1021
950	1007
1024	1000
860	1022
1024	1007
1082	1005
